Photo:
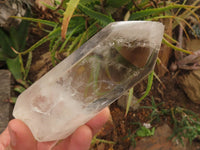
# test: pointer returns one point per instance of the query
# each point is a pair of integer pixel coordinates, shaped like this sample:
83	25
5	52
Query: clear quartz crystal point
91	78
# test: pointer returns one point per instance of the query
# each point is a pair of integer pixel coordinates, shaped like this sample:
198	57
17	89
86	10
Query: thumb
20	136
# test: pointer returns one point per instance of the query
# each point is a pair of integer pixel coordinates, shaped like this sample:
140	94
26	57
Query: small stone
5	77
190	83
91	78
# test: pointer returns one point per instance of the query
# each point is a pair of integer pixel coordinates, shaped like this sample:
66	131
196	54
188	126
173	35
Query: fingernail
13	137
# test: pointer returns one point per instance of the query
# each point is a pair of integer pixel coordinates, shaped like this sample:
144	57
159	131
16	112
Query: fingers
4	139
98	121
79	140
20	136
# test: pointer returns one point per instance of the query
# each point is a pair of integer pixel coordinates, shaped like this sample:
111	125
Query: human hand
17	136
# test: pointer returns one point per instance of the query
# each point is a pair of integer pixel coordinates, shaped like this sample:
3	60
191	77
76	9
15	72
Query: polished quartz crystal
91	78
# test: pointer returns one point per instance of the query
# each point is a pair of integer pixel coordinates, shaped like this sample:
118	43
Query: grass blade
156	11
130	96
45	22
176	48
28	65
103	19
51	35
76	29
88	33
149	85
74	43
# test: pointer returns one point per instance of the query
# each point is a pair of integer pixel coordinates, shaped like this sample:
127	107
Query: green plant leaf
71	6
130	96
28	65
18	35
91	30
14	67
22	33
175	47
146	13
74	43
13	37
19	88
76	21
117	3
88	2
13	100
95	140
23	83
103	19
155	11
3	57
53	34
45	22
149	85
6	44
143	131
76	29
188	12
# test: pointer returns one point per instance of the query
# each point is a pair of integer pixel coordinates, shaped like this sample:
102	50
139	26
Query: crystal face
91	78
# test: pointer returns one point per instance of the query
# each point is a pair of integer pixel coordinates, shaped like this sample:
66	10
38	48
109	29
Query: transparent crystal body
91	78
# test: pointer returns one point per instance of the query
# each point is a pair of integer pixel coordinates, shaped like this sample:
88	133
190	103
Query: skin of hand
17	136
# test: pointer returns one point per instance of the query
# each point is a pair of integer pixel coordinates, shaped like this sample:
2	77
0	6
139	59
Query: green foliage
143	14
175	47
152	12
157	112
149	85
103	19
186	124
13	100
78	22
162	11
88	2
54	33
15	67
19	88
45	22
6	44
76	31
71	6
15	39
81	19
141	131
130	96
117	3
